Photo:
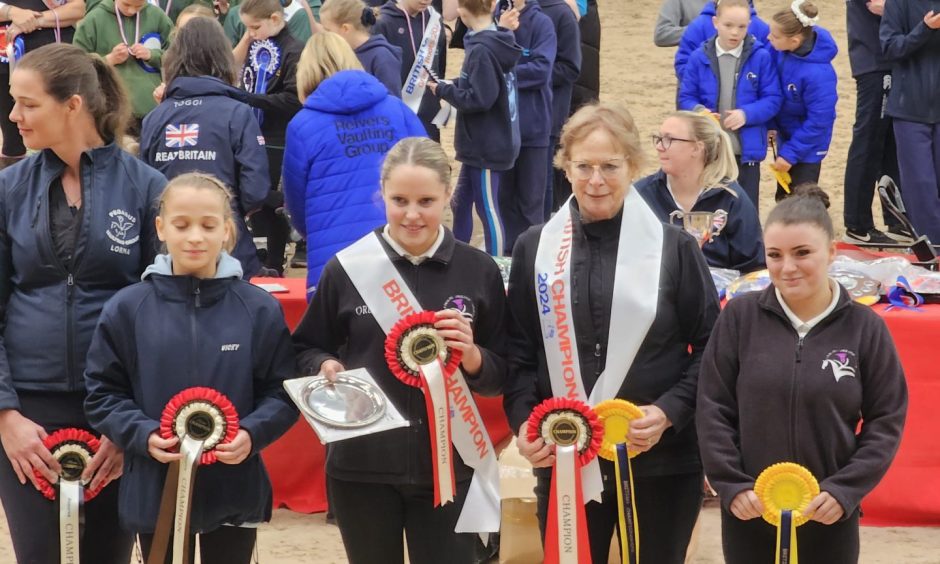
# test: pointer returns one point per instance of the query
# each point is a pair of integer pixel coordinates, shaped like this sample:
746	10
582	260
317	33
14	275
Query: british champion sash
633	307
417	80
389	299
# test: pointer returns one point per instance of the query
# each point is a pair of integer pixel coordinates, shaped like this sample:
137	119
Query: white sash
633	307
416	82
389	298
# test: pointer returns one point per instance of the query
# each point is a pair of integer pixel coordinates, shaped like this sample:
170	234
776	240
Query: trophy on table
703	225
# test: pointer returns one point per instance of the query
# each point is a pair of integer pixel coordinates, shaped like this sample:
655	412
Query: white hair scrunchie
804	19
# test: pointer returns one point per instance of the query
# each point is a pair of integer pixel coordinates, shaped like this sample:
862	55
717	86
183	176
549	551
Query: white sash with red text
389	298
633	307
412	91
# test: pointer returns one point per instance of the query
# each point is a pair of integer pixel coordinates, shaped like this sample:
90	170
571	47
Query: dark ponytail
807	204
68	71
368	17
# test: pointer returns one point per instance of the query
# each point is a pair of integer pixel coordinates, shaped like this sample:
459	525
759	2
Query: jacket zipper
69	333
194	369
597	358
794	387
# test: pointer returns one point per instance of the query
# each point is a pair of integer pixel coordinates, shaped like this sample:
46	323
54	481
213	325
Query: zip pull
597	350
71	280
799	349
196	295
36	214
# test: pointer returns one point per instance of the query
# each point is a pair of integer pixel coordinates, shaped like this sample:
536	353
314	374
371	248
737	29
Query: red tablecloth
908	495
295	462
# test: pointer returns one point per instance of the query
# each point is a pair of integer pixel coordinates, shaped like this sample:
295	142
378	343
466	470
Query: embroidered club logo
123	230
719	222
461	303
182	135
840	362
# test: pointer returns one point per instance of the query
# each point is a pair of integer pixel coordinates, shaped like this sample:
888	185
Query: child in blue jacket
733	76
522	193
702	28
486	138
803	57
163	335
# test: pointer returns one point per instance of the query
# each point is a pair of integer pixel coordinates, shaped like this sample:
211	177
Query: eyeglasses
666	140
585	171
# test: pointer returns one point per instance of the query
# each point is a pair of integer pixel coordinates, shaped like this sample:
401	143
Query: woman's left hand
782	165
824	509
646	431
458	334
236	451
106	465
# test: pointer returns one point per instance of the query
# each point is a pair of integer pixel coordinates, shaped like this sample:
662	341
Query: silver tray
348	403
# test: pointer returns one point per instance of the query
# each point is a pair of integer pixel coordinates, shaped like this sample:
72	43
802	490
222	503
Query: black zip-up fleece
767	396
338	325
665	370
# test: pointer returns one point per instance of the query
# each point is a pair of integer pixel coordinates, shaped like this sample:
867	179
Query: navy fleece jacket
567	65
382	60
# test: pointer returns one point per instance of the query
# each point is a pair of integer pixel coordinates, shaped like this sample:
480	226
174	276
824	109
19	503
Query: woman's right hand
22	442
538	452
159	448
746	506
330	368
26	20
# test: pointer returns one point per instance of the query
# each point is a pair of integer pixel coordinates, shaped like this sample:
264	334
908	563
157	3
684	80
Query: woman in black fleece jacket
787	375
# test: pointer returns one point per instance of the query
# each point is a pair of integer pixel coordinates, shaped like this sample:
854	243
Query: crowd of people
124	277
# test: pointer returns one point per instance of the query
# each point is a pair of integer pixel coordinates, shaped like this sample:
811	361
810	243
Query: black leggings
667	508
800	173
754	541
371	518
225	545
12	142
33	520
270	221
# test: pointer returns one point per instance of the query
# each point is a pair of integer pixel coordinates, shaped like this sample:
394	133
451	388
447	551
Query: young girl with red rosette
193	322
383	484
787	376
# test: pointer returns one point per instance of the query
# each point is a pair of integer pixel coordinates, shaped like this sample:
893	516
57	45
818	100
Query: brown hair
790	25
477	7
262	9
352	12
203	181
615	119
324	55
807	204
418	151
196	11
721	5
68	71
200	48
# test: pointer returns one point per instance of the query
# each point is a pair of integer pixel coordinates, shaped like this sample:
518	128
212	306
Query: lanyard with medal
149	40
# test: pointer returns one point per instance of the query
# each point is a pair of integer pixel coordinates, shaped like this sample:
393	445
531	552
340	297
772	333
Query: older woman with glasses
611	272
698	174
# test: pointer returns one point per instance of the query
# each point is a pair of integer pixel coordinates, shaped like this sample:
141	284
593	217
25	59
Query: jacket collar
768	301
52	165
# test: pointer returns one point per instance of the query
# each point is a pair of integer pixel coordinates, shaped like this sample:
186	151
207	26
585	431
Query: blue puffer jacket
739	243
48	310
808	85
168	333
701	29
757	92
335	148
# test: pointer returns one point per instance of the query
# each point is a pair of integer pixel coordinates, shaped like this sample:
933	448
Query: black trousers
667	508
800	173
754	541
872	154
33	520
225	545
371	518
12	142
270	220
749	179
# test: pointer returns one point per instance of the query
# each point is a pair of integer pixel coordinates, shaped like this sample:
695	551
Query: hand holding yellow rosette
615	415
786	490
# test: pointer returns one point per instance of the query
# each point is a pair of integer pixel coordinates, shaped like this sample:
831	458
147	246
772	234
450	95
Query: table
296	461
908	495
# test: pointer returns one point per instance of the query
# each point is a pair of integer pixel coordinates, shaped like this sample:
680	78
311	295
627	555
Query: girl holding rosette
608	302
74	228
786	378
193	352
386	483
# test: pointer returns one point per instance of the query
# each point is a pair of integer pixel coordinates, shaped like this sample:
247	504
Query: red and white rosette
418	356
576	432
73	449
202	419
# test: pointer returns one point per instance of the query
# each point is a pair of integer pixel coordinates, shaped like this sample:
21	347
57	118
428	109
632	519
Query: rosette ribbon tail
71	493
626	506
566	535
175	505
786	539
435	398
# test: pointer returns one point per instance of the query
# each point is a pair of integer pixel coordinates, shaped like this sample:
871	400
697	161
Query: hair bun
368	17
811	190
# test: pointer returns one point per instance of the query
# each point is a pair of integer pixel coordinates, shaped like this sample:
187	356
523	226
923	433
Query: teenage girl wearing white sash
381	485
616	276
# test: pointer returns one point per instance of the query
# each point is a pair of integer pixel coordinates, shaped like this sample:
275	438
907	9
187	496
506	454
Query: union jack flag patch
182	135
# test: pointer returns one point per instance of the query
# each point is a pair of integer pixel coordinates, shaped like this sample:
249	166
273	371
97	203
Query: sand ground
638	74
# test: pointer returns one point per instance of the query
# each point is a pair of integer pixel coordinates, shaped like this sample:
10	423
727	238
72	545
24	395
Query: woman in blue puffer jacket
335	147
803	57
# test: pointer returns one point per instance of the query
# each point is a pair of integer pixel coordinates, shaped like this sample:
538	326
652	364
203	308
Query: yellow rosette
615	415
786	490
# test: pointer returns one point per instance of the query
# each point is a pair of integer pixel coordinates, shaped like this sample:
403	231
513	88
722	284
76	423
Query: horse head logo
839	362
